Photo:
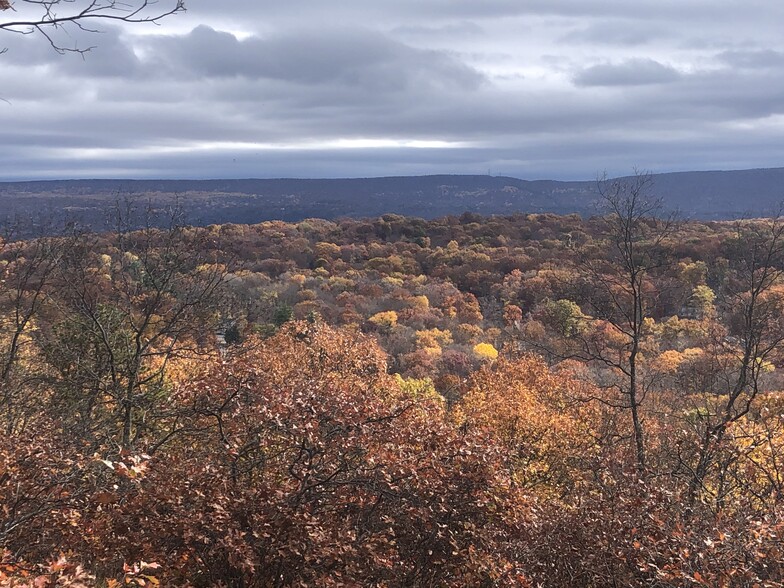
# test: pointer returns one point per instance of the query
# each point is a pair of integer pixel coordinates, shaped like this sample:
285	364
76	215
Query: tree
127	317
635	235
304	463
752	302
50	18
27	268
564	316
547	441
619	294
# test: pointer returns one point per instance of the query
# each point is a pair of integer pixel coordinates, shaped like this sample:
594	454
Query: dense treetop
468	401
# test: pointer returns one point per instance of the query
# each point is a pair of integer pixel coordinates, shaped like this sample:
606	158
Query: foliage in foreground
299	461
487	409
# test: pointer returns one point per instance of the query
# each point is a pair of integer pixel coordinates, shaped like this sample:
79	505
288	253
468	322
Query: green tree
283	314
702	299
564	316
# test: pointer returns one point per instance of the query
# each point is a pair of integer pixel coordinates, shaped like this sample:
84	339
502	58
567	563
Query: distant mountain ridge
702	194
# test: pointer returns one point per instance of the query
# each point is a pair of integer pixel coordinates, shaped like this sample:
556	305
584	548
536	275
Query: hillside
703	195
508	401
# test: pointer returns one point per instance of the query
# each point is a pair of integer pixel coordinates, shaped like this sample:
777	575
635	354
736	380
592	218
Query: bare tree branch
47	17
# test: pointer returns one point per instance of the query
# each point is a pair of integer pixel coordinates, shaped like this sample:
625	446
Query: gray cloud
681	16
632	72
108	54
347	57
534	89
617	32
451	30
753	59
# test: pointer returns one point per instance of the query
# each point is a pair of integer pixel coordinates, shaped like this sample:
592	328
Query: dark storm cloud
632	72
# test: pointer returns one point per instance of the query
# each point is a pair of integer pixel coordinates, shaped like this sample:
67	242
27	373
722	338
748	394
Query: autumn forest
522	400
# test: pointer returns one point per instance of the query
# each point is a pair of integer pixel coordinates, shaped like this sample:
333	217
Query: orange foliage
534	414
299	460
305	464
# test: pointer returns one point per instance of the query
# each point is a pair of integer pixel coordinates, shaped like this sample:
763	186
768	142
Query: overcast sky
307	88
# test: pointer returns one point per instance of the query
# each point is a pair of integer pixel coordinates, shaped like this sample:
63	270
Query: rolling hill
705	195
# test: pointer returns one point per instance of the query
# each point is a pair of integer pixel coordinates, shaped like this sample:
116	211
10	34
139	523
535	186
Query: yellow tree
532	413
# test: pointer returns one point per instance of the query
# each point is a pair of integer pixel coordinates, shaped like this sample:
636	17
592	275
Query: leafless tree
149	303
618	292
27	271
752	302
51	17
635	231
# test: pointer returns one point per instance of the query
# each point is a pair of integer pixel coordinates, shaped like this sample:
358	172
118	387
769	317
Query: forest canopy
518	400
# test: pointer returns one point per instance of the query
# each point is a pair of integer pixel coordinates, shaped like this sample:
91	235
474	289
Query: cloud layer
313	89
